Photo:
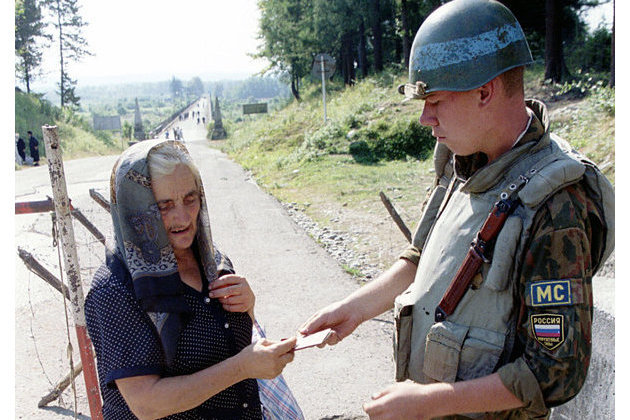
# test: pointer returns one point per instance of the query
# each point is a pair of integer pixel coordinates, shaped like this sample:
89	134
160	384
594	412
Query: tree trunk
406	35
554	61
363	62
61	84
377	33
294	86
612	51
27	79
347	59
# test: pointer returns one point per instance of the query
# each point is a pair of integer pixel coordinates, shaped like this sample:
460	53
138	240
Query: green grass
76	136
298	159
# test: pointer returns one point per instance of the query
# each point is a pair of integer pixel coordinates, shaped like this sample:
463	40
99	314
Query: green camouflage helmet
463	45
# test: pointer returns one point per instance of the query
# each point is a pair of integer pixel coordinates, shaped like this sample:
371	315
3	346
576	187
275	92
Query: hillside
332	174
76	136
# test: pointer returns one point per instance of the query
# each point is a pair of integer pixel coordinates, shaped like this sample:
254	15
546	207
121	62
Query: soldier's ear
487	92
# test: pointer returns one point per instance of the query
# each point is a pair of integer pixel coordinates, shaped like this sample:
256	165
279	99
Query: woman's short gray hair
163	159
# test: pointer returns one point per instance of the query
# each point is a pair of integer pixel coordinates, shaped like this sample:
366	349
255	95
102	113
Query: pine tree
68	24
29	32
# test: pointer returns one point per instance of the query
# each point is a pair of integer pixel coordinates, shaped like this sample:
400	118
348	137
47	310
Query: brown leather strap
474	258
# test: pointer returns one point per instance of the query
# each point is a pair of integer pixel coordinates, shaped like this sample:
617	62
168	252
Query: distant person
170	321
198	120
33	145
166	134
21	147
203	119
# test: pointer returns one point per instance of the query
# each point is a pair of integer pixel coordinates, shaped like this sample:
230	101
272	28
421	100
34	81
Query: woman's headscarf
141	242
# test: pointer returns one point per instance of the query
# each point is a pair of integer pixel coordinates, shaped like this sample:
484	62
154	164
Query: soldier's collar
466	168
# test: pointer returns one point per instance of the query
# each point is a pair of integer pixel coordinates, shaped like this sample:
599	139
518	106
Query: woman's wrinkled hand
266	359
234	293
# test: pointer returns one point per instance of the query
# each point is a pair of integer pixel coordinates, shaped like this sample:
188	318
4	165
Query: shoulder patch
548	329
551	293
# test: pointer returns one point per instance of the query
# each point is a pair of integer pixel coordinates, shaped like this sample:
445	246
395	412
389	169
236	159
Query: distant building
107	123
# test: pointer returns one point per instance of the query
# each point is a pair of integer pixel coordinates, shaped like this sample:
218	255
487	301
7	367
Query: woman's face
177	197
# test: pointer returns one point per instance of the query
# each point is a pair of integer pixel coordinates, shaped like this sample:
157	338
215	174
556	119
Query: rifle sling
475	257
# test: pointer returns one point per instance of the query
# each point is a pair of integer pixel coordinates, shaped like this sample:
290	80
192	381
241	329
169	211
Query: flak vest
472	342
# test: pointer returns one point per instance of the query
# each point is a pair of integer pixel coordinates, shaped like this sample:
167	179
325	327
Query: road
290	274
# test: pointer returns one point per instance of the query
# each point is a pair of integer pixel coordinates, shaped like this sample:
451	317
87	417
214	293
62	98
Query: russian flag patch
548	329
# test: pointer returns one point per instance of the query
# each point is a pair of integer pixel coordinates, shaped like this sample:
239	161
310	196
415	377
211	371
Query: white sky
146	40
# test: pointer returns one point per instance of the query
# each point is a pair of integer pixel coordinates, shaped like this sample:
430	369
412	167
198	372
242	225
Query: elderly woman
170	322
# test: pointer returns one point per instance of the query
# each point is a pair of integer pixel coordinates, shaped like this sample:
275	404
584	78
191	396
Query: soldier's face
453	118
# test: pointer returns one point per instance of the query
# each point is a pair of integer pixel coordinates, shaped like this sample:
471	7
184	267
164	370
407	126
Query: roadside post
71	264
323	65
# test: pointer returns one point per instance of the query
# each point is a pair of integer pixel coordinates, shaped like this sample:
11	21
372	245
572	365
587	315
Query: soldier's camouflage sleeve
553	342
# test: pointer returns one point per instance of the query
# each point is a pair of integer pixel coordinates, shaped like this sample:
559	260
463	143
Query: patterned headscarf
141	242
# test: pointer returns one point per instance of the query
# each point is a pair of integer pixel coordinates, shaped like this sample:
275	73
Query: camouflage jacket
553	303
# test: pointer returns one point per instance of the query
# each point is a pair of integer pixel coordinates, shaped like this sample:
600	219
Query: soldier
33	145
502	326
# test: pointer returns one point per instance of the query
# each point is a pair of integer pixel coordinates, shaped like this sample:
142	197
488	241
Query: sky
147	40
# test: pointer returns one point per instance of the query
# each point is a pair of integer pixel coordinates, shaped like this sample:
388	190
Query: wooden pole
71	264
33	265
60	387
392	212
102	201
48	205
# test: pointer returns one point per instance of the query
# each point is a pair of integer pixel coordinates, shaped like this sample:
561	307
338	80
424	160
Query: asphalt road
290	274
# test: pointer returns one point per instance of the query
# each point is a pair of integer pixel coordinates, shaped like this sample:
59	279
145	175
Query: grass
298	159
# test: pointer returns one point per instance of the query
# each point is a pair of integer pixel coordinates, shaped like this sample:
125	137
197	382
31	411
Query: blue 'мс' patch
551	293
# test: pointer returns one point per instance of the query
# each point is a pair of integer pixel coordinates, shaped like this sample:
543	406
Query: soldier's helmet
462	45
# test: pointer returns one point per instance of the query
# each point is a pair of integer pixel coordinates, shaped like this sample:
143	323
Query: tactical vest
470	343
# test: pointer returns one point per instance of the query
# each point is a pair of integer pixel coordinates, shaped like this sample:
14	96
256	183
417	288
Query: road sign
323	63
255	108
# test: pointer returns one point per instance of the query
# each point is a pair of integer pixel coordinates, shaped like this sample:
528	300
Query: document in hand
306	341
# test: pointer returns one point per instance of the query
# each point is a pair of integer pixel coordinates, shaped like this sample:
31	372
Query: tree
177	88
195	87
377	34
555	68
286	30
29	29
72	46
69	97
612	52
335	33
127	130
411	14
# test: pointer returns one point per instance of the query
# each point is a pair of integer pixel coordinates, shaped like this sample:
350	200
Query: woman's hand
234	293
266	359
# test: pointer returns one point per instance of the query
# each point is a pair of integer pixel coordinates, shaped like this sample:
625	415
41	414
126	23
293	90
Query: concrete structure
138	129
596	400
218	132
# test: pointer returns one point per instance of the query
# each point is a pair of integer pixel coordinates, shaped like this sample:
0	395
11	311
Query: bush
361	152
396	141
